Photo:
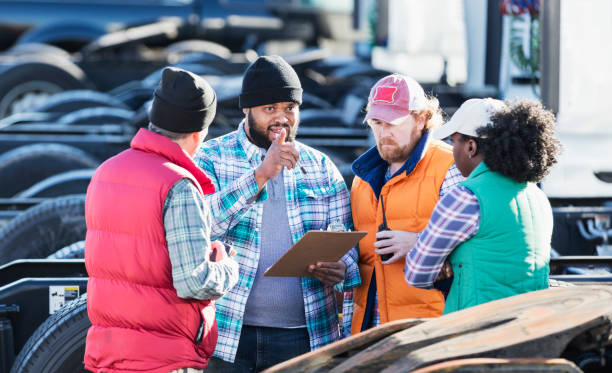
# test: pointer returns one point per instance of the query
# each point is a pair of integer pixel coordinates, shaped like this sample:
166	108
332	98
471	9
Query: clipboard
315	246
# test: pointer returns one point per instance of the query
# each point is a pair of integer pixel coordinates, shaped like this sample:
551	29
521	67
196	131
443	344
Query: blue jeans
260	348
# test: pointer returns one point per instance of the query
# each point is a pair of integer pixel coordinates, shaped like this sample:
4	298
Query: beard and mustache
395	153
260	137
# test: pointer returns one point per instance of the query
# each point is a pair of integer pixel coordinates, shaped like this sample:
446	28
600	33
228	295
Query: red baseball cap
394	97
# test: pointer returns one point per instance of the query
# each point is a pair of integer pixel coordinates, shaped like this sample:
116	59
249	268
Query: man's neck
394	166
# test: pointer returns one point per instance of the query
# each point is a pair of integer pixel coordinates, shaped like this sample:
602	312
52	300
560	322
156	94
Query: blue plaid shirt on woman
316	195
455	219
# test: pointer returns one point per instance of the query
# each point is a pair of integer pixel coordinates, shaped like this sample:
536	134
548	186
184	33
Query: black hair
520	142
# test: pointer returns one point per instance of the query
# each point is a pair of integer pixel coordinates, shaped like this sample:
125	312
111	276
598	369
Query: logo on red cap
385	94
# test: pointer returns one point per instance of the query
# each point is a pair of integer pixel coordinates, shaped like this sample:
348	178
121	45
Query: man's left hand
329	273
397	243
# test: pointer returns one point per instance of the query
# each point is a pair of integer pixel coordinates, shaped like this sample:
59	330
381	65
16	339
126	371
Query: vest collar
371	168
152	142
480	169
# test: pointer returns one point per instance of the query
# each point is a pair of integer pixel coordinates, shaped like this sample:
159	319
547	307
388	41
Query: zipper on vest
200	333
459	286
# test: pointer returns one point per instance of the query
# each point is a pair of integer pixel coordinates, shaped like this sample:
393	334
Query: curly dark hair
520	143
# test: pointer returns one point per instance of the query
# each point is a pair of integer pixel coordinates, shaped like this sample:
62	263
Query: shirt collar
253	152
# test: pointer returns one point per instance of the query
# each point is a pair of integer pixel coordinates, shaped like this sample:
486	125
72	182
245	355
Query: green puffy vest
510	253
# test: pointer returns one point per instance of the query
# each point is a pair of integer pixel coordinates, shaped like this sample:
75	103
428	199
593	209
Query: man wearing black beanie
153	271
271	190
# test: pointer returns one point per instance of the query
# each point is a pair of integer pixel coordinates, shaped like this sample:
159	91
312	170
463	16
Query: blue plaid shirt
455	219
316	196
187	223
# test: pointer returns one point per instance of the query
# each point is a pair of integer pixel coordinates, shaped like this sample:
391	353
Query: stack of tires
56	128
47	158
52	178
43	84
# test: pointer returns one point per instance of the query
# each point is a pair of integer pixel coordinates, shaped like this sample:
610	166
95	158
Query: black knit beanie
268	80
183	103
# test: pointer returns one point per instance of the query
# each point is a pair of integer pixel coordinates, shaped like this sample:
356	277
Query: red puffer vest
138	321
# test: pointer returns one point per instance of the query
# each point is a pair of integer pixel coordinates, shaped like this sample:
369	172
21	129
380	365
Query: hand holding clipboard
315	246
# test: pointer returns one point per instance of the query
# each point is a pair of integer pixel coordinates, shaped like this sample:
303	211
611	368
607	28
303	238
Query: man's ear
422	119
245	110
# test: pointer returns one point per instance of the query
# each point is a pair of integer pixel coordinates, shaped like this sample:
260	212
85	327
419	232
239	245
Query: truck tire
43	229
141	116
133	94
69	101
32	79
19	118
153	79
97	115
175	50
26	165
310	101
70	35
58	345
69	182
26	49
74	251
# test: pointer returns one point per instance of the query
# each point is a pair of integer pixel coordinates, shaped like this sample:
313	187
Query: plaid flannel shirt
187	223
455	219
316	196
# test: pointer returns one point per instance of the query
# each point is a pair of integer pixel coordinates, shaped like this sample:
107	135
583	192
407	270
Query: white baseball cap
471	115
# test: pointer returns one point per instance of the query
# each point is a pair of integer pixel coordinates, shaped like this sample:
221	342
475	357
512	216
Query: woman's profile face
461	154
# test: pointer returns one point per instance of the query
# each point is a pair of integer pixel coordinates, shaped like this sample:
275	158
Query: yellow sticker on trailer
60	295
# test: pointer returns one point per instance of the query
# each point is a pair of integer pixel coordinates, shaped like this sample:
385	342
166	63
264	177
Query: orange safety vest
409	201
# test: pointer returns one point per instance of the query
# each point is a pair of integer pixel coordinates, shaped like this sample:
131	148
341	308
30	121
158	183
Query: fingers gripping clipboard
315	246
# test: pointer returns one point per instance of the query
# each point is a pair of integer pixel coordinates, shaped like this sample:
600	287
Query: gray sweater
275	301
